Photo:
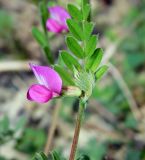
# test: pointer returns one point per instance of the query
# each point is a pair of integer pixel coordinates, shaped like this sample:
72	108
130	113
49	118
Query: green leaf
88	29
55	156
100	72
74	12
39	36
74	47
86	11
40	156
94	61
75	29
91	45
69	60
85	2
48	54
64	75
44	14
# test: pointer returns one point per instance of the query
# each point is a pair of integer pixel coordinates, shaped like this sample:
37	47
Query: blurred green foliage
6	24
94	149
7	132
109	94
31	141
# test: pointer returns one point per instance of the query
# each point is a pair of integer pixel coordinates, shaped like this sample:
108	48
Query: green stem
77	130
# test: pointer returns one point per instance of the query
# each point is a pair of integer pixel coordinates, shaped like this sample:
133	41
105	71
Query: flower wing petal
48	77
39	93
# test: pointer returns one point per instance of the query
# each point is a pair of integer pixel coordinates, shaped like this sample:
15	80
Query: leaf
100	72
74	47
91	45
86	11
48	54
39	36
88	29
74	12
44	14
69	60
84	2
75	29
64	75
55	156
40	156
94	61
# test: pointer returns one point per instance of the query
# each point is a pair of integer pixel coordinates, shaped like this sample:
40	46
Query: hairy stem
52	128
77	130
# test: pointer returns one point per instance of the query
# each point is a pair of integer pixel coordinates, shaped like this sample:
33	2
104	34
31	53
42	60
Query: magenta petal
39	93
48	77
59	14
53	26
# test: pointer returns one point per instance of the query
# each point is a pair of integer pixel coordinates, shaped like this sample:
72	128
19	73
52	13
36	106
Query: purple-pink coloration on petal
39	93
59	15
53	26
50	84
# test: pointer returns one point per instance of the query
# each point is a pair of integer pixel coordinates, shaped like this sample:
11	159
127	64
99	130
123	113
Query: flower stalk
82	106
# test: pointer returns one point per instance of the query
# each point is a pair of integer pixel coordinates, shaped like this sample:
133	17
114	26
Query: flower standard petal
39	93
53	26
48	77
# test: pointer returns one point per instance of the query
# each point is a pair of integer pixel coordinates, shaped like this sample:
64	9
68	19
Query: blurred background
114	125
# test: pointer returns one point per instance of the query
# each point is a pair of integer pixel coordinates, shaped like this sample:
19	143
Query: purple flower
57	21
50	84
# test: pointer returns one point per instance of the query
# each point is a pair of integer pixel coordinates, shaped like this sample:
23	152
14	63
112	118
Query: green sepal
91	45
88	29
74	47
94	61
75	29
39	36
69	60
74	12
101	71
48	54
66	77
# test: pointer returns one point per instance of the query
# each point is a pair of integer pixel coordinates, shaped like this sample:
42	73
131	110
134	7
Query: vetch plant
82	61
